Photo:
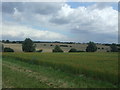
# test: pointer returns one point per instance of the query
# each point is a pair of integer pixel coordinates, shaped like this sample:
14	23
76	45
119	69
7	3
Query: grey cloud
86	24
6	37
59	20
8	7
119	6
31	7
0	7
101	5
79	31
43	7
100	38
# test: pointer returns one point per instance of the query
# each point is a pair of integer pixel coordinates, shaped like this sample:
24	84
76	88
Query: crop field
60	70
47	47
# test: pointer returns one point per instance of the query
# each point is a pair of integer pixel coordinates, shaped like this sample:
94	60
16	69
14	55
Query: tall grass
97	65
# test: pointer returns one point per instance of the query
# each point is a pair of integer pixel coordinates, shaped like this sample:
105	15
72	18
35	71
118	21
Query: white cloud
92	20
61	18
22	32
17	15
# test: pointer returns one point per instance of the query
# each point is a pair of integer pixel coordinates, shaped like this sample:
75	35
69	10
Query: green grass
17	74
16	79
103	66
0	71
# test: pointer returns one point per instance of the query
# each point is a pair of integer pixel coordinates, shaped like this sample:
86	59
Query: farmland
77	70
48	47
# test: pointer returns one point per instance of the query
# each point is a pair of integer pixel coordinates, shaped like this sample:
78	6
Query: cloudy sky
60	21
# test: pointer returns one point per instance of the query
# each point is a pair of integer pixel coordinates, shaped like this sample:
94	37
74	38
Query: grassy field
78	70
46	47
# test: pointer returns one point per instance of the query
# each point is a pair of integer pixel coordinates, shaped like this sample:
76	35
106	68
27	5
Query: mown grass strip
15	79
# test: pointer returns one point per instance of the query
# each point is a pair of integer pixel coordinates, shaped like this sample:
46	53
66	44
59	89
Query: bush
7	41
57	49
102	48
2	48
63	45
73	50
39	50
8	49
108	51
118	49
51	45
80	51
91	47
98	48
114	48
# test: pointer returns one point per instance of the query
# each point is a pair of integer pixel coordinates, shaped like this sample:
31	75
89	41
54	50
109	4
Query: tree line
8	41
20	42
29	46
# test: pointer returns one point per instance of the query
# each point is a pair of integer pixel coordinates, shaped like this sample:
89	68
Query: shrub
57	49
114	48
63	45
6	49
118	49
73	50
98	48
2	48
80	51
102	48
51	45
108	51
91	47
39	50
7	41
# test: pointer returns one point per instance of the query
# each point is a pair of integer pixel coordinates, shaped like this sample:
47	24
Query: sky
60	21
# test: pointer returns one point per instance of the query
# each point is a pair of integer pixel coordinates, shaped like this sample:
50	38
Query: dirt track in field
44	79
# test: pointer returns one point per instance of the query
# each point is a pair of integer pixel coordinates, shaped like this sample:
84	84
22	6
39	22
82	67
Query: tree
7	49
57	49
3	41
113	47
28	45
2	48
91	47
7	41
73	50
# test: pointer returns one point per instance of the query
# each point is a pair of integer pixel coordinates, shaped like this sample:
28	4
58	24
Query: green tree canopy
113	47
7	49
57	49
91	47
73	50
2	48
28	45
